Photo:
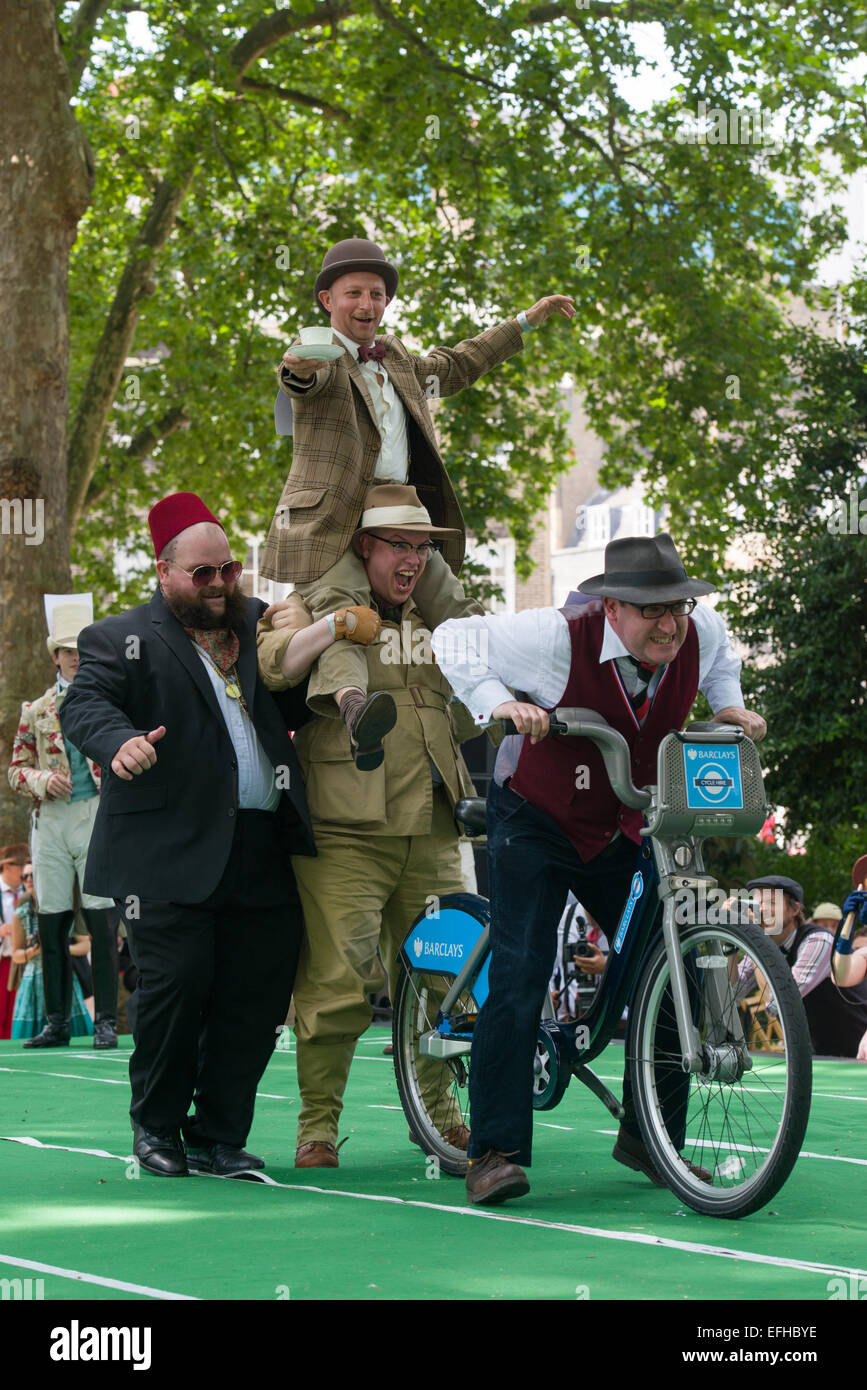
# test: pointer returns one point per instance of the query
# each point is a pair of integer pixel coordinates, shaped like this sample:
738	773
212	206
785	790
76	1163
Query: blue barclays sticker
635	893
713	778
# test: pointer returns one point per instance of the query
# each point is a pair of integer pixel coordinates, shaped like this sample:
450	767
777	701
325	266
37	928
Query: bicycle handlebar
587	723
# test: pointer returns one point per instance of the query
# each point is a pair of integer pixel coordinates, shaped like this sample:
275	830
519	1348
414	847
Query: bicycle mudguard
442	938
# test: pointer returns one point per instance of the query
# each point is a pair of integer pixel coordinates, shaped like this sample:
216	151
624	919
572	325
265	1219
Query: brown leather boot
493	1178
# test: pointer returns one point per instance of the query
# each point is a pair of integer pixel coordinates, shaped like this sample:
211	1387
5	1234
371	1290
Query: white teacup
316	337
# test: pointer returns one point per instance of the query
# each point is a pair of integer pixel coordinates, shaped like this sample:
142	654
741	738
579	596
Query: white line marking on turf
748	1148
630	1237
73	1076
95	1278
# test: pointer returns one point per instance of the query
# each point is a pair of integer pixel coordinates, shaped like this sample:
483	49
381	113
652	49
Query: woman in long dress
29	1018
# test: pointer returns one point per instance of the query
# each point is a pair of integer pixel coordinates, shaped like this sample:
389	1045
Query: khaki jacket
397	798
337	442
39	748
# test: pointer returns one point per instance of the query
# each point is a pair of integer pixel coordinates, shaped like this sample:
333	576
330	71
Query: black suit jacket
167	833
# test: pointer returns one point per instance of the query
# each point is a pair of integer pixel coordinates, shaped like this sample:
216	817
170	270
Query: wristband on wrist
524	323
331	625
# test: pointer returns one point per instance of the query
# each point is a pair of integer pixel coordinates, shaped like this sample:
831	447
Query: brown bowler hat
354	254
645	569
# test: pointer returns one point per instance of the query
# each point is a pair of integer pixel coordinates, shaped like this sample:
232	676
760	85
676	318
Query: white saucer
321	352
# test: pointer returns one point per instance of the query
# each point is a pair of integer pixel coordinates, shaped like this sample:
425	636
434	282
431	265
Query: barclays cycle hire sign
713	778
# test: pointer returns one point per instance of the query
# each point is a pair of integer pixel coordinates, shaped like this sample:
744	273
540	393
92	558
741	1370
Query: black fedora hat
354	254
645	569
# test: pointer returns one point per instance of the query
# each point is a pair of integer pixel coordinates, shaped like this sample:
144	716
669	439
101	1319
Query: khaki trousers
359	893
60	842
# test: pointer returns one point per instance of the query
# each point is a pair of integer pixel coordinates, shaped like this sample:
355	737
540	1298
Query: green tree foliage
491	150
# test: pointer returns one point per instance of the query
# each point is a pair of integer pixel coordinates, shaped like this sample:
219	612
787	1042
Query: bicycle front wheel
725	1138
434	1092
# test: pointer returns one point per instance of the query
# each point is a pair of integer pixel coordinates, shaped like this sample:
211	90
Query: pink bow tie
375	352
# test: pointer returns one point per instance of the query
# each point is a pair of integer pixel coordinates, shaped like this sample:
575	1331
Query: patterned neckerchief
220	643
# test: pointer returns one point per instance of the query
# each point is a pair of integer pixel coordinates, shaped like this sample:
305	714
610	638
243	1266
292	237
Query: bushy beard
197	614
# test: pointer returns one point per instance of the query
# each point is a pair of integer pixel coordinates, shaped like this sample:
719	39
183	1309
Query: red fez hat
174	514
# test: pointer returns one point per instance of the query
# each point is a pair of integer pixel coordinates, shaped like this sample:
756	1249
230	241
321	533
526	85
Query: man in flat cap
837	1016
202	806
63	785
637	654
360	419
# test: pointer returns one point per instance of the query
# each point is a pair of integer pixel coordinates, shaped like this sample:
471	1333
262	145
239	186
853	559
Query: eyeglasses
681	609
26	876
205	574
404	548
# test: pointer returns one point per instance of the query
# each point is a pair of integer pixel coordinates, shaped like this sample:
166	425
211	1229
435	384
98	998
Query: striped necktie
640	701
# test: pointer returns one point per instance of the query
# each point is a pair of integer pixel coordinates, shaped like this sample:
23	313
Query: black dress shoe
52	1035
104	1033
162	1154
222	1160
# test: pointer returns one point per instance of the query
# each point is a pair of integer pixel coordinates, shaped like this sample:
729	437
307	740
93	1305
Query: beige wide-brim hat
395	507
67	619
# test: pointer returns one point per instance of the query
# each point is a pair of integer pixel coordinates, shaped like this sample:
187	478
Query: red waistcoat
551	775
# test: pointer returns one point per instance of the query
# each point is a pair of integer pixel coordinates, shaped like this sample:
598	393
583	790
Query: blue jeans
532	866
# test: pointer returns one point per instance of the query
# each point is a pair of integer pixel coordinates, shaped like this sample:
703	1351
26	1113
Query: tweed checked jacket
337	442
39	748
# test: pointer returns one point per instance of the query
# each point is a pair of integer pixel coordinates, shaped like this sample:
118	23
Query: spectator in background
850	957
827	915
29	1017
12	859
837	1017
64	785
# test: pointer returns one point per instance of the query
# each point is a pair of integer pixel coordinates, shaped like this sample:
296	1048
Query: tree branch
273	27
116	340
82	30
139	447
335	113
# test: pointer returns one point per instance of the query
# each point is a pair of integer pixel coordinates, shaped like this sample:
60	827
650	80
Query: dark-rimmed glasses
681	609
205	574
404	548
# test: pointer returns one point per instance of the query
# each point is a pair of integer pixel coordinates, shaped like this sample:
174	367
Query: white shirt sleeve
481	657
719	669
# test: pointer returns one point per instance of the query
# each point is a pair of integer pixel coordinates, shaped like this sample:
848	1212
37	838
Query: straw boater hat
354	254
645	569
66	615
394	507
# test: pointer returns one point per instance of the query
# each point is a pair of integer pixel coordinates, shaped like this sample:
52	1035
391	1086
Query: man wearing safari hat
202	806
638	654
364	419
64	784
386	837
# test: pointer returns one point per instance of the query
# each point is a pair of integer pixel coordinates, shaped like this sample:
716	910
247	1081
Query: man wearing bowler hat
360	420
637	654
202	807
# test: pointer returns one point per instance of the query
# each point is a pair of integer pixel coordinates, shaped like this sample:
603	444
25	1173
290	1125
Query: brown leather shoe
316	1154
493	1179
459	1138
632	1154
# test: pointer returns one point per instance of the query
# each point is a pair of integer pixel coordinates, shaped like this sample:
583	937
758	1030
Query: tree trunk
45	187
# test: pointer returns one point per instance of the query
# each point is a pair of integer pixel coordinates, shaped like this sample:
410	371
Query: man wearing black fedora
637	654
360	420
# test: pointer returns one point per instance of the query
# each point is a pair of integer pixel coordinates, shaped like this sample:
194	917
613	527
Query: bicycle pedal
462	1023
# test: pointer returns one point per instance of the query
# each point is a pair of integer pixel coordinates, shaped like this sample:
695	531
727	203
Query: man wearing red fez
202	806
359	411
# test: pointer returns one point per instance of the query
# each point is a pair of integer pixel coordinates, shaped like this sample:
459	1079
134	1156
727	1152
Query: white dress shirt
257	785
9	896
392	465
532	651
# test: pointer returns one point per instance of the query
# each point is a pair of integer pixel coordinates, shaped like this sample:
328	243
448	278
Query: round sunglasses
205	574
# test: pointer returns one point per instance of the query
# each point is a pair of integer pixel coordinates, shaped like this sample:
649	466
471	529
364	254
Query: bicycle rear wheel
434	1092
743	1117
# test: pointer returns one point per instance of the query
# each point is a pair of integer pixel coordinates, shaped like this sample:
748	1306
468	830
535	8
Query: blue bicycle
746	1109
